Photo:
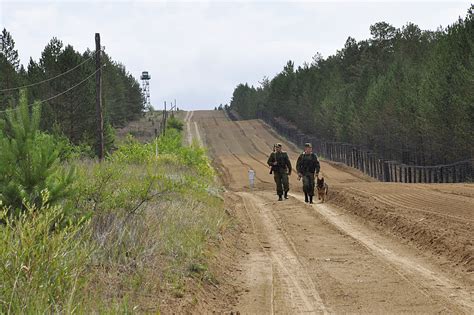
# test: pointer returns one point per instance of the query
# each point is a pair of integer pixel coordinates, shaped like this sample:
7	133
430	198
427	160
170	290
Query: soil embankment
373	247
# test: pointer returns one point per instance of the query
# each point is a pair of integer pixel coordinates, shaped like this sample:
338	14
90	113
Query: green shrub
71	152
29	161
174	123
170	147
153	218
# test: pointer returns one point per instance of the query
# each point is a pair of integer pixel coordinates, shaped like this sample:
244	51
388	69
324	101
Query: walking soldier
307	165
281	168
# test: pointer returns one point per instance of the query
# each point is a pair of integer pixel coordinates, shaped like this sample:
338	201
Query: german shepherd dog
322	189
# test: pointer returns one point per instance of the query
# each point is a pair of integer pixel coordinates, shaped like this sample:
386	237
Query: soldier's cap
308	145
278	145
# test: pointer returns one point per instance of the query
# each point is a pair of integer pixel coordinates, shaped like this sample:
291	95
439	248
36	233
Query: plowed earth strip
322	258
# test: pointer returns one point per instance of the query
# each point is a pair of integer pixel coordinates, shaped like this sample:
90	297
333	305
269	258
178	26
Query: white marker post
251	178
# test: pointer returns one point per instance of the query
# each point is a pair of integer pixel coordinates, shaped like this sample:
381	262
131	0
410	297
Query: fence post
349	155
341	153
452	174
386	171
394	172
354	157
337	149
363	160
374	165
390	171
456	173
367	162
369	158
344	153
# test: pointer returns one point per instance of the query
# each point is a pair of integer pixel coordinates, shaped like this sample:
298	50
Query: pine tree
9	67
7	49
29	161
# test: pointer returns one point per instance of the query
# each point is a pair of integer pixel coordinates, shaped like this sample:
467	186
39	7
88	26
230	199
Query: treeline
71	114
407	94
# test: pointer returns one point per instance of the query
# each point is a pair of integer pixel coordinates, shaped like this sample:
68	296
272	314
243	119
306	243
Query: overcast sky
198	51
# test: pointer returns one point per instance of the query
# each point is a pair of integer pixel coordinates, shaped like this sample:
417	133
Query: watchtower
145	77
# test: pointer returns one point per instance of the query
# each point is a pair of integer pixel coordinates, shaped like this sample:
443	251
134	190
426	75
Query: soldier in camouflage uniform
281	168
308	167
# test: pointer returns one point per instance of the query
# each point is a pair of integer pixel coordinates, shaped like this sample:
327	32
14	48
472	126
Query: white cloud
198	51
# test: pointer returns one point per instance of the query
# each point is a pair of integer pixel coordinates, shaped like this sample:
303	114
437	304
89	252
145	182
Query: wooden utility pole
165	114
98	99
156	142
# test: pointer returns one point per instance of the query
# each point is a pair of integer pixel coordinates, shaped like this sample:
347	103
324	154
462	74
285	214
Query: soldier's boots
280	198
306	197
310	199
286	195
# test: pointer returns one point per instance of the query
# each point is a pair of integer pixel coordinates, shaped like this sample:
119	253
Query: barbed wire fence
369	162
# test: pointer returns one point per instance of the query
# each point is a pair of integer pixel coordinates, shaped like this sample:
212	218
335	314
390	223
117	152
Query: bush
174	123
152	220
170	147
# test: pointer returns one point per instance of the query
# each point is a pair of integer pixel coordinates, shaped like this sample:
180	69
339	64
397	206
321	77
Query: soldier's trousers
308	183
281	180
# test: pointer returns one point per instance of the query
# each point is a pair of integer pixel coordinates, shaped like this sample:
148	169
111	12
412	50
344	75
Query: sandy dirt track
372	248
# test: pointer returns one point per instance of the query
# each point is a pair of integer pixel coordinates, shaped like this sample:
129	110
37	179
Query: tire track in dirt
248	167
235	147
198	134
408	268
251	138
258	161
189	133
296	292
412	201
351	270
406	201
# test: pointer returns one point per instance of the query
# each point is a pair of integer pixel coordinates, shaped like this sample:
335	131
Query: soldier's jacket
282	159
307	163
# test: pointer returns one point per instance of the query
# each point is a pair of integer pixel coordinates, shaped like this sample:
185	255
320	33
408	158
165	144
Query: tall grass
141	227
42	265
147	247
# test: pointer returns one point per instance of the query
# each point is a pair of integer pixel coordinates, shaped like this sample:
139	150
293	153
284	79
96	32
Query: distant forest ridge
401	93
60	69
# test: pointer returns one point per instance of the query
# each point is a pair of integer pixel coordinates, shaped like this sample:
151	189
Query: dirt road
372	248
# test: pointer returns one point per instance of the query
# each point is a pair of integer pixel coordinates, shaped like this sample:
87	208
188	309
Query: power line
57	95
46	80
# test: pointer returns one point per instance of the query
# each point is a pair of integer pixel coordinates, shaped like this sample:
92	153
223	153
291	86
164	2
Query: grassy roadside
131	232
